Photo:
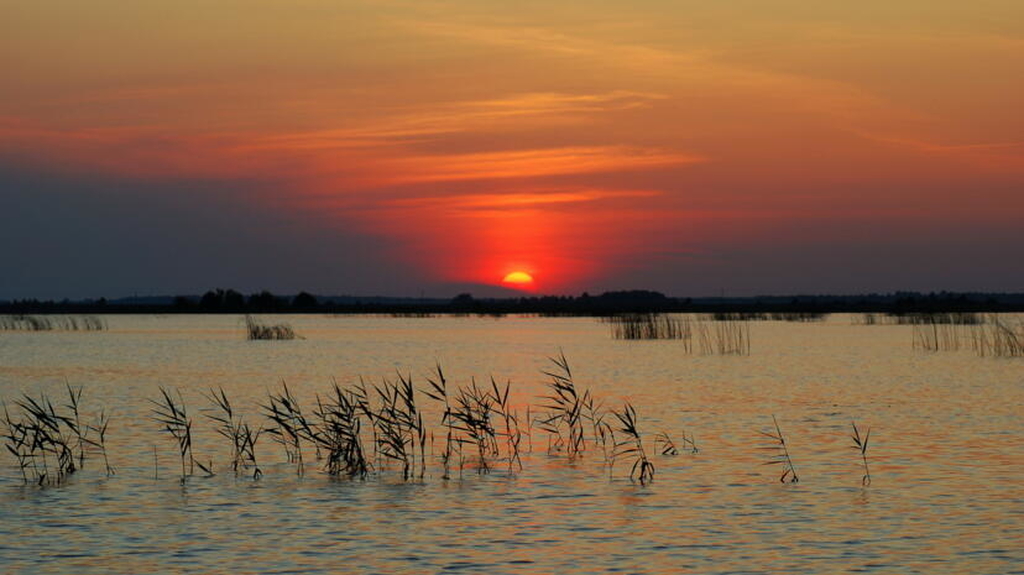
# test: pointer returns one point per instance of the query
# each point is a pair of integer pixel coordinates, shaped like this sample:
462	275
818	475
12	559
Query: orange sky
593	144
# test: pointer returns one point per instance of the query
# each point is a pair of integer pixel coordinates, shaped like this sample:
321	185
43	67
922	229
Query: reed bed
723	337
361	431
256	330
649	326
989	336
52	323
999	338
715	334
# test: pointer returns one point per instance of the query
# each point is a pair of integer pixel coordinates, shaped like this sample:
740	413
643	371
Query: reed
471	414
290	425
642	469
861	445
513	435
780	455
260	331
339	432
49	443
665	444
564	419
439	392
176	422
400	426
239	433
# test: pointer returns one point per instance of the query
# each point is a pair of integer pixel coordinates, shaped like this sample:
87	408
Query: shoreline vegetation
786	308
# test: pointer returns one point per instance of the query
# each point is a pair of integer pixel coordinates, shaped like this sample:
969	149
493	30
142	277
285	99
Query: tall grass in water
564	418
175	420
260	331
290	425
781	453
861	445
642	469
724	337
242	437
51	323
999	338
50	443
649	326
339	432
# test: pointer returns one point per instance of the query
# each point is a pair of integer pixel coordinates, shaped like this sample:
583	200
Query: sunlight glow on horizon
602	143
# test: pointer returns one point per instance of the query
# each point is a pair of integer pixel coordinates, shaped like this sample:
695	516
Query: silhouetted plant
781	455
175	420
242	437
665	444
861	445
642	469
565	408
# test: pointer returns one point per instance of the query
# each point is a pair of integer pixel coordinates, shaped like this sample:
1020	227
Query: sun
518	278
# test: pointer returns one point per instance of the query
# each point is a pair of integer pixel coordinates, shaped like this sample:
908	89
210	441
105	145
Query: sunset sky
400	148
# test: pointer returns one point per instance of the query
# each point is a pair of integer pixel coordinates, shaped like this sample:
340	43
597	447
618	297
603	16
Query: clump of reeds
238	432
50	444
781	454
399	425
339	432
641	326
175	420
564	419
642	469
861	445
998	338
21	322
724	337
260	331
290	425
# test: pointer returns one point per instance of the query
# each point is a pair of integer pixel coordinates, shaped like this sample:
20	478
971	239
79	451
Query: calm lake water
946	455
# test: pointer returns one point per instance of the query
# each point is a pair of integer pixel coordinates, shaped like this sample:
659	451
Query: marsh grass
641	326
665	444
176	422
998	338
290	425
255	330
724	337
50	443
22	322
632	446
339	432
861	445
780	453
564	409
239	433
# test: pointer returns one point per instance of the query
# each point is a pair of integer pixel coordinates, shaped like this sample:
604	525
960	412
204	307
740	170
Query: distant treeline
608	303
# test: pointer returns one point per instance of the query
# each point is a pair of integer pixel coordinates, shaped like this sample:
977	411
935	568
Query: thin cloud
527	163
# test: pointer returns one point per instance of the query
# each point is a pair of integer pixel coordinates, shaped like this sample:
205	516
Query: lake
946	454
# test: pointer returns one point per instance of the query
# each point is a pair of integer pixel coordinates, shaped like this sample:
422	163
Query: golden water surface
946	455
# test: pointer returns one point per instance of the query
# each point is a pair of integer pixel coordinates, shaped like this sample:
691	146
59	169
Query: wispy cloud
526	163
514	200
